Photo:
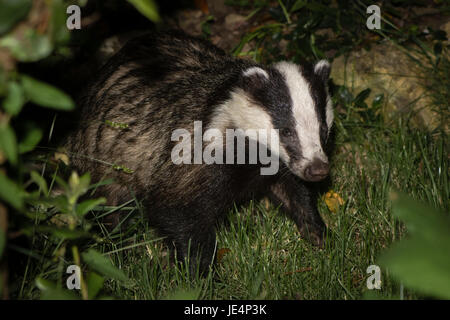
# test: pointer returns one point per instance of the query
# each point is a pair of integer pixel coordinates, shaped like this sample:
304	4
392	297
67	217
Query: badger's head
295	100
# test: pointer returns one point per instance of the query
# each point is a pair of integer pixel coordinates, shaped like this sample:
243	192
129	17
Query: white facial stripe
242	114
329	114
307	123
255	70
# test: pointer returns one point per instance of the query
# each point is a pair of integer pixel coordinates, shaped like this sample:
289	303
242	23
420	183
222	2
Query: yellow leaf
221	253
59	156
333	201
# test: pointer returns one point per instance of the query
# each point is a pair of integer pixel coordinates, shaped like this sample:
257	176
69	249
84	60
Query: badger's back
153	85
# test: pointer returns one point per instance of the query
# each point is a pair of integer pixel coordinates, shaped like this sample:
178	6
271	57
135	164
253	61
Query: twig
298	271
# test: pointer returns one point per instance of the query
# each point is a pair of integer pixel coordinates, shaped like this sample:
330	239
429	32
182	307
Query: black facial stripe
271	94
319	95
283	118
292	146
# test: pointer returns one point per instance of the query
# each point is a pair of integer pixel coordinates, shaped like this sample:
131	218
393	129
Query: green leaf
32	47
103	265
64	234
423	221
51	292
59	294
40	181
8	143
362	96
46	95
85	180
206	25
77	186
3	82
422	261
62	184
32	137
60	33
148	8
14	100
43	284
345	95
60	202
10	192
94	283
420	266
88	205
11	12
378	101
298	5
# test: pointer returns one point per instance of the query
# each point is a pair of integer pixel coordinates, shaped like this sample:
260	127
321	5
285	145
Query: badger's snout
317	170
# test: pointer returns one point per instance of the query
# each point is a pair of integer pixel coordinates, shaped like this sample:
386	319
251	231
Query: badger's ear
254	78
322	69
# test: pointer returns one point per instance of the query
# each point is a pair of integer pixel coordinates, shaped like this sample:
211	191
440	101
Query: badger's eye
286	132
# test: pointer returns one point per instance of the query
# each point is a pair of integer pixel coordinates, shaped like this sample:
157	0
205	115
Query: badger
162	82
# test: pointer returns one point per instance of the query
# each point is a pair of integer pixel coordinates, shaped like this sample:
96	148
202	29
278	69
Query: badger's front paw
316	234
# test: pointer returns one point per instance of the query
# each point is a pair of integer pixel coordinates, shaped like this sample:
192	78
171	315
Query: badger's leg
299	202
196	243
190	234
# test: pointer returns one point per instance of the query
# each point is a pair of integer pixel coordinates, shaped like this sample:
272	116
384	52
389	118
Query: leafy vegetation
49	220
421	261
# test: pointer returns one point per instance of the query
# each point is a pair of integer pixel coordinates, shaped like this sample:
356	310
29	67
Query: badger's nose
317	170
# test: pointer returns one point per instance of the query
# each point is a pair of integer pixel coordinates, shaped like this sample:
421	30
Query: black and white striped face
295	100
